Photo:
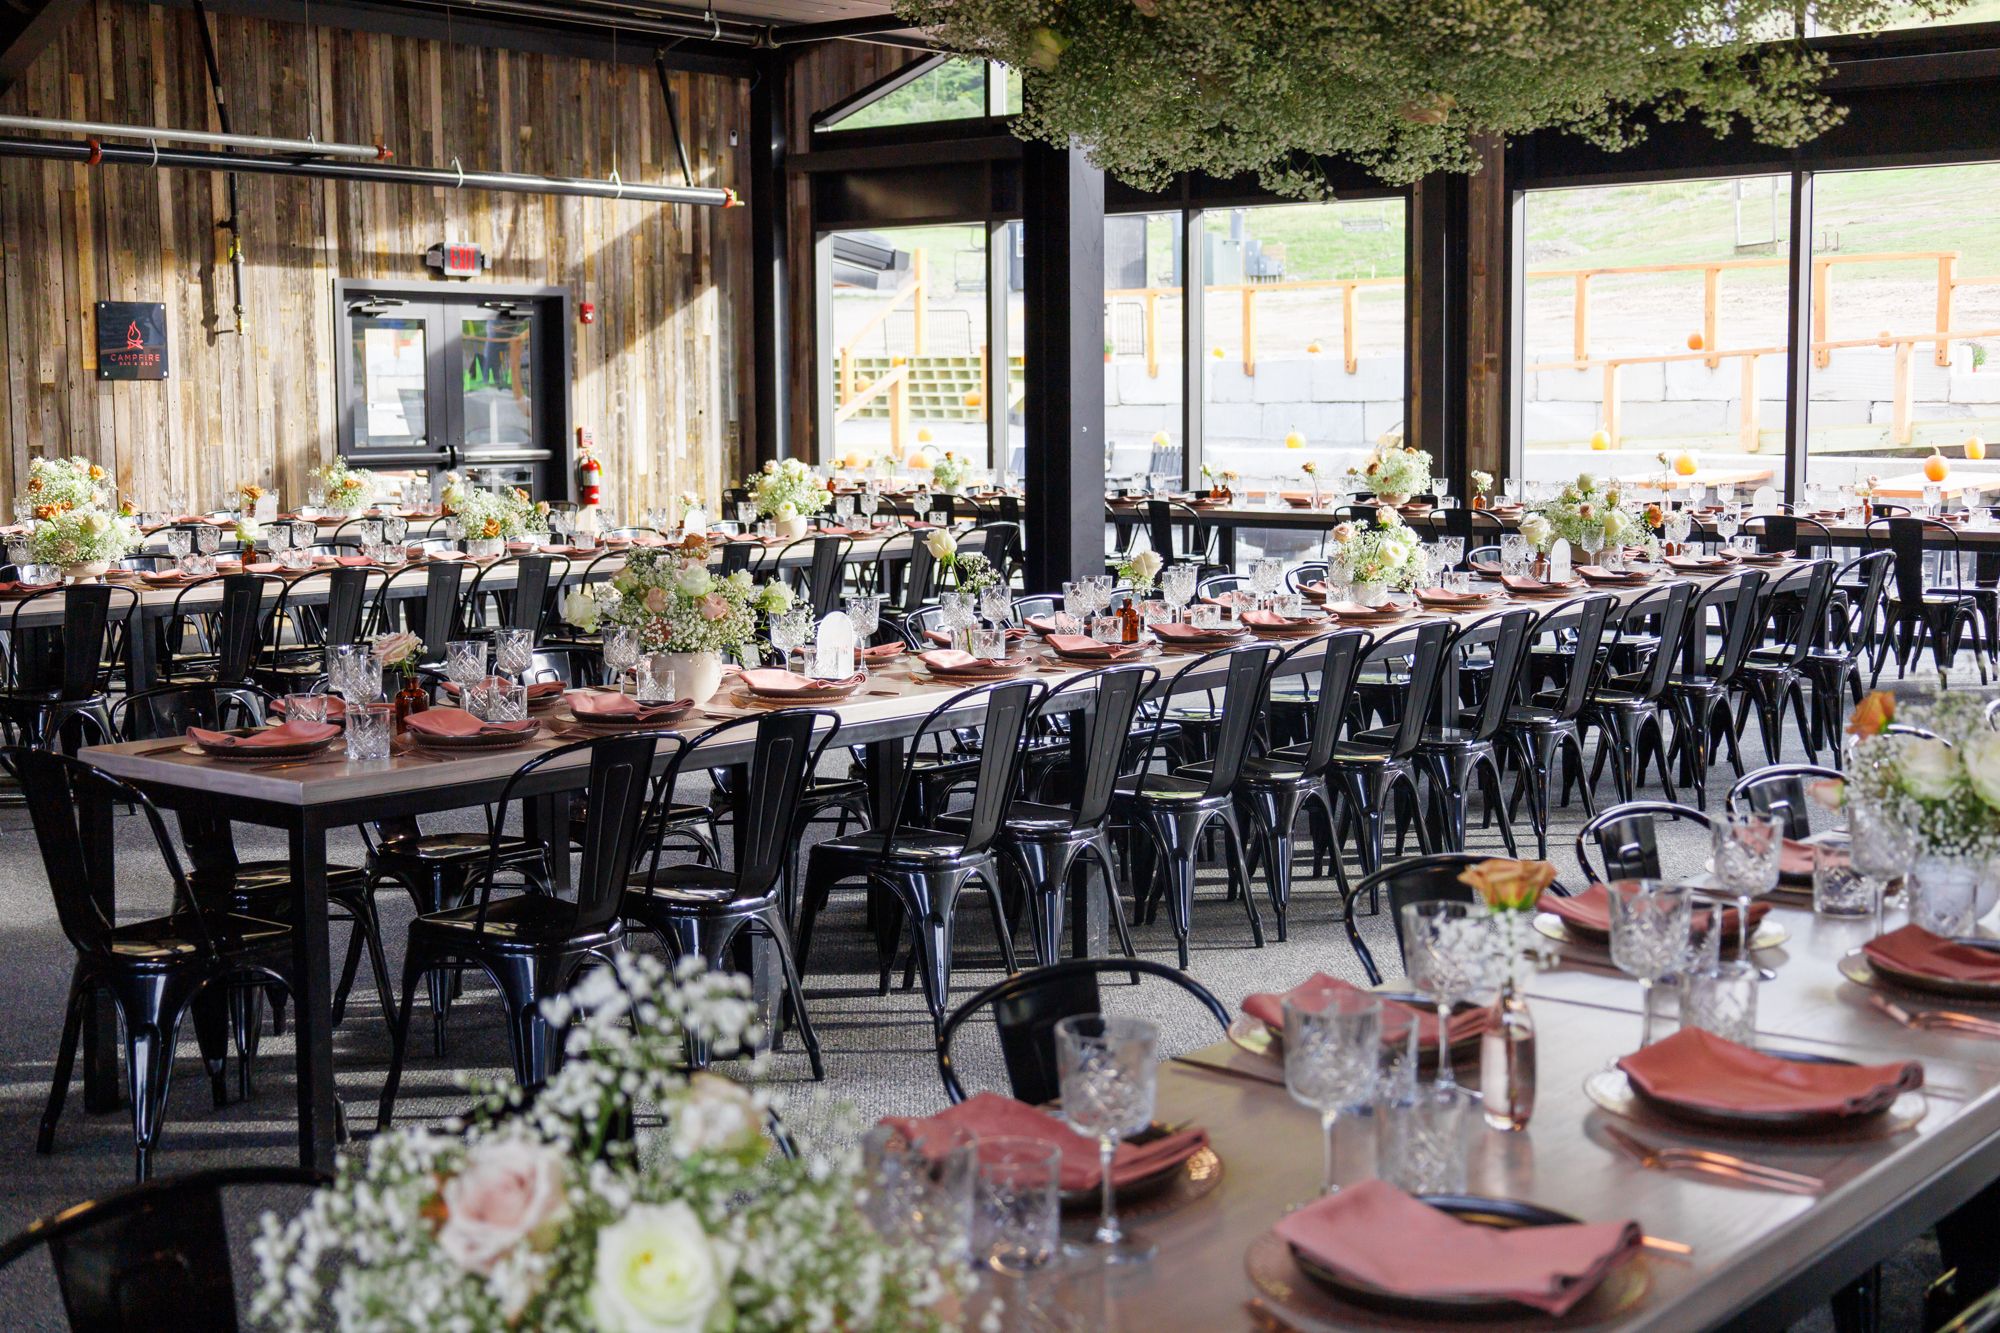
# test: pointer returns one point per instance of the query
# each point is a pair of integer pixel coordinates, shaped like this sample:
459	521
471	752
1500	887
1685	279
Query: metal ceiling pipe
853	30
624	19
104	129
381	173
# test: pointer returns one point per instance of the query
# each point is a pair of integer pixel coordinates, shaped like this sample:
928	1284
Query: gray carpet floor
878	1048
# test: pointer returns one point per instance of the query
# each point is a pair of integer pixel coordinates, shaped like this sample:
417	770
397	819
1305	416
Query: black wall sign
131	340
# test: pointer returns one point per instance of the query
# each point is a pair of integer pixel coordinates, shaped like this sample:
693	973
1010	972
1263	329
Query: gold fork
1936	1020
1716	1164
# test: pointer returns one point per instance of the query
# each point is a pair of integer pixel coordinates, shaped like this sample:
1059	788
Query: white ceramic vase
697	676
84	573
791	529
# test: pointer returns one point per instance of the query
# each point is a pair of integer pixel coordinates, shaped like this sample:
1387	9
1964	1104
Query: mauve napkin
1356	611
1695	562
1379	1235
1914	949
883	652
1082	645
943	640
541	689
1269	1009
1621	576
352	561
1704	1072
1043	625
770	680
950	659
1272	620
989	1115
290	733
1231	599
1590	912
1176	633
612	705
13	586
456	724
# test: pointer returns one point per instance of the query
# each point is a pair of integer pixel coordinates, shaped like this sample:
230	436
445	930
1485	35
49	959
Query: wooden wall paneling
1486	314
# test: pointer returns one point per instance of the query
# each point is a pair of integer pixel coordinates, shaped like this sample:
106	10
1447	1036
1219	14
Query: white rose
1388	517
96	524
1535	529
246	532
786	512
580	609
718	1115
1146	564
941	544
657	1272
696	581
1981	757
770	469
1930	770
1585	482
509	1192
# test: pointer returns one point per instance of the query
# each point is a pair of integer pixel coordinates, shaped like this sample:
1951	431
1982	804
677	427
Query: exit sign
455	259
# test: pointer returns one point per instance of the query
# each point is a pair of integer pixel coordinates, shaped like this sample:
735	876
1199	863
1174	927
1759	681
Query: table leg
1225	545
885	777
312	995
102	1090
140	669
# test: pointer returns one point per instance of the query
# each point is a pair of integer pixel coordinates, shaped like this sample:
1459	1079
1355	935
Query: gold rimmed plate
1257	1039
248	754
1768	935
478	740
1858	967
1161	1191
1615	1094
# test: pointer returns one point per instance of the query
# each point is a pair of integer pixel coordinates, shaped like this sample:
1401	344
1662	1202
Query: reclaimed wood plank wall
662	378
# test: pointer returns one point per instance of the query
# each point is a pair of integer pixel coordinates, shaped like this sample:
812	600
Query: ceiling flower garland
1156	87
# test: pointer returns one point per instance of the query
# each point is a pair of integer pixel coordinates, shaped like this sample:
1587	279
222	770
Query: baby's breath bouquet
790	483
678	606
74	523
1591	513
1383	552
504	514
1393	472
948	471
347	488
626	1198
1945	791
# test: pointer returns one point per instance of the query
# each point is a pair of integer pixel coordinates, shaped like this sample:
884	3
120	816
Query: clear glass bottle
1507	1062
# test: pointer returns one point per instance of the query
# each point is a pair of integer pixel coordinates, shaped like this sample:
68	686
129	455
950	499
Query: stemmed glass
1679	527
513	652
996	606
465	664
1592	539
1177	584
278	538
1450	552
352	674
1745	851
870	503
1439	955
1266	577
1727	524
1333	1056
207	537
1107	1072
179	542
1075	606
790	630
621	652
866	613
1649	935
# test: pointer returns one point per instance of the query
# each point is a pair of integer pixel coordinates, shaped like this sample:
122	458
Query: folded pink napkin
1014	635
352	561
770	680
263	567
1523	583
335	706
541	689
648	539
1231	599
1082	645
883	652
1914	949
1269	1009
612	705
1356	611
1175	633
457	724
1446	597
1379	1235
1589	912
13	586
1602	574
949	659
448	555
291	733
989	1115
1699	1070
1695	562
1043	625
514	547
1272	620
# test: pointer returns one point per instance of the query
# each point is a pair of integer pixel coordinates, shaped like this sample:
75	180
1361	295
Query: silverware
1936	1020
161	749
1719	1164
338	758
1661	1245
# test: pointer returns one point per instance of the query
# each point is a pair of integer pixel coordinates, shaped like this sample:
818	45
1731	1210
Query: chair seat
1273	769
273	879
454	847
1164	789
1533	717
527	921
164	940
688	888
1450	738
1025	819
1358	752
911	845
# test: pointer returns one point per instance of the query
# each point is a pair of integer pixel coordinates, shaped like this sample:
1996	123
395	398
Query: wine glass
1107	1072
179	542
866	613
1450	552
1649	934
870	503
1333	1055
1745	849
465	663
513	651
1177	584
621	651
790	631
1728	523
1266	577
996	605
1440	955
207	537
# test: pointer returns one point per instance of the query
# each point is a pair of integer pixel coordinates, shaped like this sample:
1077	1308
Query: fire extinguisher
589	472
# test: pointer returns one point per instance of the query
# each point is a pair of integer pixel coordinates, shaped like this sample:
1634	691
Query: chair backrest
1906	539
621	770
736	556
823	576
1624	836
766	809
519	607
1339	667
66	659
1099	732
1424	644
1737	604
150	1256
1009	704
337	621
1591	615
1670	603
433	615
1421	879
1780	790
1505	637
1026	1008
169	710
1245	669
1812	585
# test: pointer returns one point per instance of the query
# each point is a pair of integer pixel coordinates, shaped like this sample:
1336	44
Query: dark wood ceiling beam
26	28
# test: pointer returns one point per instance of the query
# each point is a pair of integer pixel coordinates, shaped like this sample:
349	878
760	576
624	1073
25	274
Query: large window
1900	259
1144	364
909	346
1302	334
929	90
1655	323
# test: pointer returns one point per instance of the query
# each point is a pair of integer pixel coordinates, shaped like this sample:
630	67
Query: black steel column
1063	213
769	288
1798	359
1440	241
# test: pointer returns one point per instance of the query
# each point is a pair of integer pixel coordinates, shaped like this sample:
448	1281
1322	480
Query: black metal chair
817	577
1169	811
1367	775
227	637
1920	610
1453	754
53	687
297	666
487	609
155	970
431	615
1626	837
151	1256
1422	879
924	870
1026	1008
1699	688
698	909
1852	630
531	945
1795	607
1780	790
1537	734
1630	710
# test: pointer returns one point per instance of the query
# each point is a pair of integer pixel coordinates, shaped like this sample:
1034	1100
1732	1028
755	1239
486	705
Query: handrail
897	385
915	289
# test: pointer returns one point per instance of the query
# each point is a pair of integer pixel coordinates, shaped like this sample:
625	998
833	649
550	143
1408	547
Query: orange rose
1872	714
1655	516
491	529
46	512
1509	886
96	472
34	483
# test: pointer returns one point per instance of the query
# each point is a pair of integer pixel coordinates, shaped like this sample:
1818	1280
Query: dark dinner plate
1500	1214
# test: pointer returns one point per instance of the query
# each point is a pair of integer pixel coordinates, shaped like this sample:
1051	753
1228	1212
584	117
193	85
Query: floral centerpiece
1140	569
970	571
247	496
948	470
789	493
491	516
1482	488
1590	513
563	1214
1375	557
1393	471
1940	790
400	652
347	489
679	608
1509	952
75	526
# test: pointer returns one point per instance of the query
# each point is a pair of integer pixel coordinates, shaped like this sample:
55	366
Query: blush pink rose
656	600
504	1195
714	606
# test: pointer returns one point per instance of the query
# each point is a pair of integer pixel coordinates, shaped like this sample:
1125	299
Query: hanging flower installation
1156	87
